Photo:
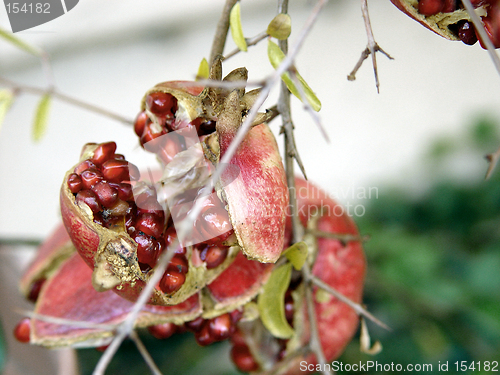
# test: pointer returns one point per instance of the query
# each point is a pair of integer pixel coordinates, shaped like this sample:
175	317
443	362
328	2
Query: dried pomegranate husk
341	265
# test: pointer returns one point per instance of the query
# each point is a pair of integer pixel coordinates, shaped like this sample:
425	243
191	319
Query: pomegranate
449	19
121	225
340	265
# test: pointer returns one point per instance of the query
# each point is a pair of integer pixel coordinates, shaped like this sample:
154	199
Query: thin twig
315	342
493	159
19	242
68	322
221	31
482	33
127	326
145	354
372	47
65	98
250	42
360	310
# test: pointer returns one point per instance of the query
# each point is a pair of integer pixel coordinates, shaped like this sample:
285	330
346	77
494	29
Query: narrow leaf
271	302
203	70
6	100
280	27
297	254
41	117
236	29
276	55
19	43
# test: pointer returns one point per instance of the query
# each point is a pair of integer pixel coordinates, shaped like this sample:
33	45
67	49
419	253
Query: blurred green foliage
434	276
434	265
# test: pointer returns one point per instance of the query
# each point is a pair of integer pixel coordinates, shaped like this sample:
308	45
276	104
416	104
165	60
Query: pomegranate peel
69	295
53	251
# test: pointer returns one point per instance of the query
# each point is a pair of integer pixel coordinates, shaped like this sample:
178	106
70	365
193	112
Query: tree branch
221	32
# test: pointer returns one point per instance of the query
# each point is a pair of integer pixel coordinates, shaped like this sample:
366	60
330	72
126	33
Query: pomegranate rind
69	294
54	250
235	286
254	186
341	266
439	22
111	253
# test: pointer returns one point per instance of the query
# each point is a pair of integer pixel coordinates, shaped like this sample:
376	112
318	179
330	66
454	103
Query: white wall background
110	52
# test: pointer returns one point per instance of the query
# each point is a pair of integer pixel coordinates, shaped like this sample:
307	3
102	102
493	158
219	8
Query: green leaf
271	302
19	43
276	56
41	117
297	254
6	100
203	70
280	27
236	29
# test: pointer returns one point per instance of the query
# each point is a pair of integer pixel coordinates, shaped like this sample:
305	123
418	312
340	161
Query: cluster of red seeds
163	107
465	30
206	331
102	182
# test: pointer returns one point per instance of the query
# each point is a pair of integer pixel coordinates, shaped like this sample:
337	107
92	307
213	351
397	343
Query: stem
65	98
250	42
145	354
221	31
360	310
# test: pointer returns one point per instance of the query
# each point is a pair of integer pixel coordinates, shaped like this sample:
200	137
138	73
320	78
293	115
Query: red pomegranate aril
106	194
90	199
150	206
220	327
467	33
74	183
243	359
203	336
205	128
140	122
195	325
236	315
147	249
149	135
116	170
118	157
214	255
90	177
162	331
170	145
449	6
237	338
124	191
178	263
161	104
215	224
172	281
84	165
22	330
150	224
103	152
430	7
35	289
